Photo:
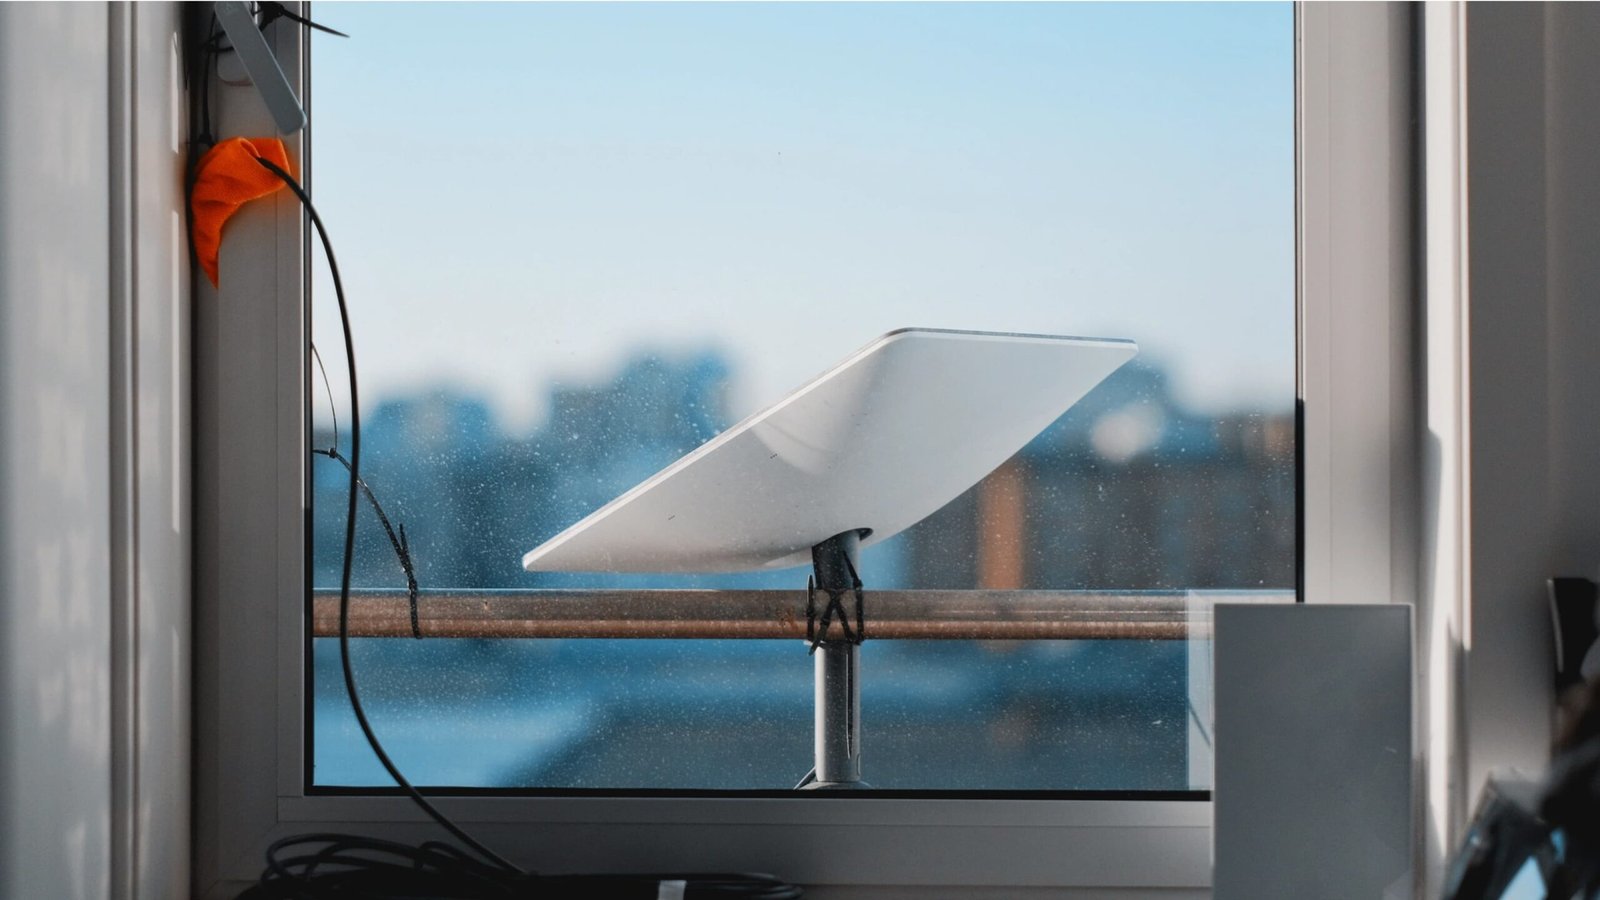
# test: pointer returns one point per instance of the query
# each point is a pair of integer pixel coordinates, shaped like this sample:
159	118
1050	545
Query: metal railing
890	614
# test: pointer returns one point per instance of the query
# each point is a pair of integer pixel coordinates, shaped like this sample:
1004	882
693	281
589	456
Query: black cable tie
817	631
333	411
402	550
861	601
271	12
411	582
811	613
836	602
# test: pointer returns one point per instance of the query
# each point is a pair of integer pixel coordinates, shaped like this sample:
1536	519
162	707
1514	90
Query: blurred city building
1128	491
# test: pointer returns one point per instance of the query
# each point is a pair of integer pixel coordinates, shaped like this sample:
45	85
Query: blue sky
527	193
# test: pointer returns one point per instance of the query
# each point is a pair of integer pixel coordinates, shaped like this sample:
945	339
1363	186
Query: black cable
199	83
210	50
352	867
1194	714
401	547
271	11
333	411
861	600
346	866
350	538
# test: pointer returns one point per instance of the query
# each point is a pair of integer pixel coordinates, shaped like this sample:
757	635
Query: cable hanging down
353	867
351	509
401	547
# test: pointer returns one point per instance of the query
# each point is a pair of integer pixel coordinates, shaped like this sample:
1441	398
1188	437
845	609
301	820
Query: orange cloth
227	178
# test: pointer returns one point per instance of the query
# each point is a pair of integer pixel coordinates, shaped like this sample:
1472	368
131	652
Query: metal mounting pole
837	676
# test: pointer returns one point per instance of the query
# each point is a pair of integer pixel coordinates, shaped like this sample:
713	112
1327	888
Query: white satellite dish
874	444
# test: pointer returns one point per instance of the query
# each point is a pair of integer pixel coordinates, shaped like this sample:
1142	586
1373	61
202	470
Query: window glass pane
580	240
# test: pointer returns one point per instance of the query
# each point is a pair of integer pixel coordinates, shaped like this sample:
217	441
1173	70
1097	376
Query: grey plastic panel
1313	752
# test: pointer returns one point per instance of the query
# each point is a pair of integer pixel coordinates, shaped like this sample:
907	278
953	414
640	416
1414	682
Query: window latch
238	22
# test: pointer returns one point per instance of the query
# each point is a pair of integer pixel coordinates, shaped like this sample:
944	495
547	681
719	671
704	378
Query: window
253	716
660	219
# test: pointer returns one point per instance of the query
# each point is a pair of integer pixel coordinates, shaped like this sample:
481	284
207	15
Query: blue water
676	714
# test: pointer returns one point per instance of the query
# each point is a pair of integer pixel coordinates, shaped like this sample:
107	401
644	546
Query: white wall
153	667
55	418
1572	209
1533	346
94	627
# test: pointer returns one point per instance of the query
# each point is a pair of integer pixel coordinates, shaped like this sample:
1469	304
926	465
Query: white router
866	449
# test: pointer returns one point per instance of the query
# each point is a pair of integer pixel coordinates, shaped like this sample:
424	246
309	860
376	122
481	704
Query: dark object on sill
1572	607
1570	805
1505	836
1572	790
1539	840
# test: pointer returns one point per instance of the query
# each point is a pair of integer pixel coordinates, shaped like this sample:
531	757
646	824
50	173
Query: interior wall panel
1533	329
161	666
94	459
55	623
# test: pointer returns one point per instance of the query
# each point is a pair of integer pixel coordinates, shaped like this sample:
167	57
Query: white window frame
1356	244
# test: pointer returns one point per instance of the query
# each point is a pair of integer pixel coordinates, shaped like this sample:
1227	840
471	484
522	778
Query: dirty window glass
581	240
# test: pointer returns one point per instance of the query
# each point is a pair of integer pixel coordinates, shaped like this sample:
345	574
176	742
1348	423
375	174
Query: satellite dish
872	446
869	447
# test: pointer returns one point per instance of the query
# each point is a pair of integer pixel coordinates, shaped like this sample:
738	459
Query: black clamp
817	627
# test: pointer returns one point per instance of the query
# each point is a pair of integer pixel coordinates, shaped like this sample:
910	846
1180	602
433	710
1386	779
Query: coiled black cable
314	866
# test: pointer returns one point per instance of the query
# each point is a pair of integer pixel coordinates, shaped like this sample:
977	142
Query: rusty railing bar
722	614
